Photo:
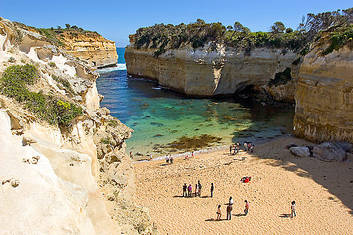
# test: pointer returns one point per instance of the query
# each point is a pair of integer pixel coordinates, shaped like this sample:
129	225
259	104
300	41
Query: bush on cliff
14	82
339	38
163	37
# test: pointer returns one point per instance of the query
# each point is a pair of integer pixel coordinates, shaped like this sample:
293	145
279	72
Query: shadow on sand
285	216
336	177
211	219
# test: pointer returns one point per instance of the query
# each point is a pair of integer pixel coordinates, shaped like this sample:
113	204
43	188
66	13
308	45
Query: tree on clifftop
238	27
278	27
67	26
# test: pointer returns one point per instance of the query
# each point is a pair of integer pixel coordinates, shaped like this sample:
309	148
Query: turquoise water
159	116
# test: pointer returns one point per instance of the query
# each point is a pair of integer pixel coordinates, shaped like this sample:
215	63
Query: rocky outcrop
90	46
204	72
75	179
324	96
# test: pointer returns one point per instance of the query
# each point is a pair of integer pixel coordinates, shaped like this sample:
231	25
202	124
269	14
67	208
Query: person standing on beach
212	188
199	187
246	210
196	190
219	214
231	201
229	212
230	149
184	190
189	190
293	213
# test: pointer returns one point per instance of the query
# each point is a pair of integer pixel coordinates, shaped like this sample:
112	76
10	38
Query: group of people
230	208
235	148
187	190
169	159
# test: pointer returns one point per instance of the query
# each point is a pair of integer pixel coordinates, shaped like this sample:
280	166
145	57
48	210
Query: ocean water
159	116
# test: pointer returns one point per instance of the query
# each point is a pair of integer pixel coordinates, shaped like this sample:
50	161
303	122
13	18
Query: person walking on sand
229	212
212	188
219	214
199	187
184	190
231	201
196	190
292	208
246	210
171	160
189	190
230	149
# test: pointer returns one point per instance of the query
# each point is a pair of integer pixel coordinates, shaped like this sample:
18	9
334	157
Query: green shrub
52	64
14	83
65	83
339	38
106	140
51	36
66	112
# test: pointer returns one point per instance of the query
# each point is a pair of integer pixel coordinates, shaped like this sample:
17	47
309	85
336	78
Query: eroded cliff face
203	72
324	96
90	47
55	180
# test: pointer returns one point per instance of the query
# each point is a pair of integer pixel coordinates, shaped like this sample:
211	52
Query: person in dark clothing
184	190
212	188
199	187
229	212
246	210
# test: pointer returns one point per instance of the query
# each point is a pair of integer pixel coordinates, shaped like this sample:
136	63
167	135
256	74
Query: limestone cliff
90	46
204	72
55	178
324	96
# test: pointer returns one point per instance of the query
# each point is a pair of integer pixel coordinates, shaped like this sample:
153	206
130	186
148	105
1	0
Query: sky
115	20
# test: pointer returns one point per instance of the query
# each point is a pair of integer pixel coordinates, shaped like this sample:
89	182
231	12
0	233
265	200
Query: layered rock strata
324	96
91	47
56	180
204	72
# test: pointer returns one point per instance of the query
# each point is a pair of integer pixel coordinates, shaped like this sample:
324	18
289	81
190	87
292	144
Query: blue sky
115	20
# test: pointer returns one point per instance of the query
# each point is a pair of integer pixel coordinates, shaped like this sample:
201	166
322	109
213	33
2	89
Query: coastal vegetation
14	83
198	34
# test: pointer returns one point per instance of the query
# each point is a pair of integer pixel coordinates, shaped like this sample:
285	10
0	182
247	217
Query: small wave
111	69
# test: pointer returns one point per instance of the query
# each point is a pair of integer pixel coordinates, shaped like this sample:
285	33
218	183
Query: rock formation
324	96
91	47
203	72
55	178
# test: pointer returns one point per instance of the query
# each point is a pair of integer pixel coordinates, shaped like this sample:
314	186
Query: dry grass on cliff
323	192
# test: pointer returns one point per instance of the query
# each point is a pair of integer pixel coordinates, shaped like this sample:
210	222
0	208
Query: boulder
300	151
328	151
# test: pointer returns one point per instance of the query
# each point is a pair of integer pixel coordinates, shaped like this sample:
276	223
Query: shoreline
211	149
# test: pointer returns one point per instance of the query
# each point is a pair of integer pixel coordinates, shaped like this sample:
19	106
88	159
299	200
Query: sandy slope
323	192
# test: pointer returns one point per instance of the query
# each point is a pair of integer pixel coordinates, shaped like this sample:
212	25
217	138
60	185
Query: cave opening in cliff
246	91
281	78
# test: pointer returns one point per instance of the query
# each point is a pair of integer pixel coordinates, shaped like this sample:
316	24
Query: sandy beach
323	192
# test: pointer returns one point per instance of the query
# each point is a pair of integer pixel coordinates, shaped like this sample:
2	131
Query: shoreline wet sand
323	192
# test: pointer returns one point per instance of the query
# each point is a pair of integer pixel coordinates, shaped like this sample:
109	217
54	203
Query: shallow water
159	116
